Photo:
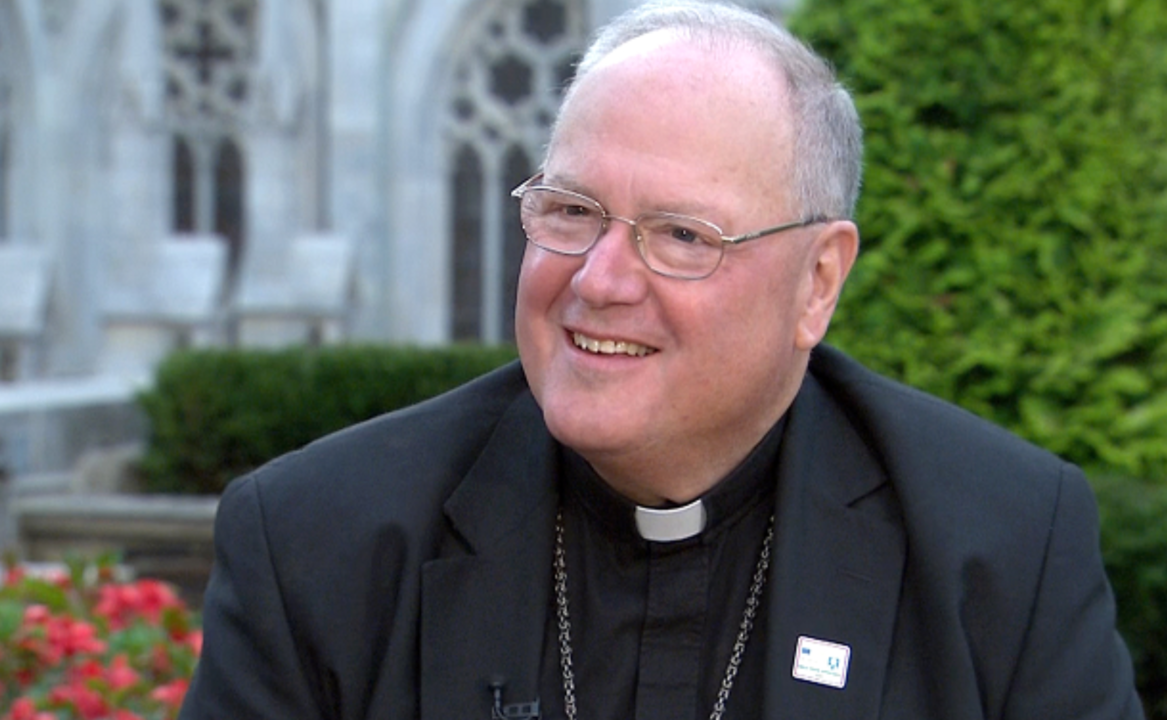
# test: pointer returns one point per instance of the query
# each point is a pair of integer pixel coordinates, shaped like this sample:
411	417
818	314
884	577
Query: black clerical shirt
653	624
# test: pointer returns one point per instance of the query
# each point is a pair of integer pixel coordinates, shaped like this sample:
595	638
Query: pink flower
22	709
171	693
122	604
60	658
195	640
14	576
87	702
36	615
120	675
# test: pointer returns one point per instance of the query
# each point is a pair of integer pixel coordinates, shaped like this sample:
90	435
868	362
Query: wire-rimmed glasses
677	246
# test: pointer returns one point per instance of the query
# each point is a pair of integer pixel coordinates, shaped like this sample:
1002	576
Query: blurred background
230	226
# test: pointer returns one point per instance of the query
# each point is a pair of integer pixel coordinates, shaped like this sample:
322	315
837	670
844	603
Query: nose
613	273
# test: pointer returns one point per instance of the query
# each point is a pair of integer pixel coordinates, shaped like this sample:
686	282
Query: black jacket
390	570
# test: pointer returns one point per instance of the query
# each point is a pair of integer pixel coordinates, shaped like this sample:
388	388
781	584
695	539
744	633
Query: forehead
664	106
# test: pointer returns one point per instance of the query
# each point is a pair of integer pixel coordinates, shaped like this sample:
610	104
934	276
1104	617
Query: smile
610	347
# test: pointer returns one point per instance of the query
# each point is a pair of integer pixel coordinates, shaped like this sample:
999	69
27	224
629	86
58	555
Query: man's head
665	384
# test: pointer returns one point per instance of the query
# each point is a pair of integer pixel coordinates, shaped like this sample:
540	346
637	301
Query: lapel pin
821	662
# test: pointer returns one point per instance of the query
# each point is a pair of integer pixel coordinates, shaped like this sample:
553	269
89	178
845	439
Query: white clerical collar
672	524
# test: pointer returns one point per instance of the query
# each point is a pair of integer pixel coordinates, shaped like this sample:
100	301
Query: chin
588	432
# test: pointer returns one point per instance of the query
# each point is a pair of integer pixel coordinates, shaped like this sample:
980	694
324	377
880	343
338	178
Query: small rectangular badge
821	662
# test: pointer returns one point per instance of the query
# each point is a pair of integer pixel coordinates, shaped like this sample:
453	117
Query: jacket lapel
837	567
484	605
835	576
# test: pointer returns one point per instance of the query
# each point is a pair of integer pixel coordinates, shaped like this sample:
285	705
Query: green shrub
1013	215
1014	256
216	414
1134	544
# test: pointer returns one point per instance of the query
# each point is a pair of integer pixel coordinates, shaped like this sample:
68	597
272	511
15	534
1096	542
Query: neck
679	472
657	476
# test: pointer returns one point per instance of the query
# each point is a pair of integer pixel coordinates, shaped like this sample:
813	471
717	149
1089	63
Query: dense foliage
215	414
81	645
1134	546
1013	215
1014	256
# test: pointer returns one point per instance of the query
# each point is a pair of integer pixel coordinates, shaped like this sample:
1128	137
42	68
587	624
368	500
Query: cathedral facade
196	164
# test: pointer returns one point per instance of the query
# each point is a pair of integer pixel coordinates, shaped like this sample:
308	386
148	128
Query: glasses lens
679	245
560	221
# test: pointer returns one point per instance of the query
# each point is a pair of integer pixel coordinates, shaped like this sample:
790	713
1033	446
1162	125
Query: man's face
662	126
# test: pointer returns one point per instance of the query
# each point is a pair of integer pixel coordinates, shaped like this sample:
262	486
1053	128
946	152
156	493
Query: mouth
610	347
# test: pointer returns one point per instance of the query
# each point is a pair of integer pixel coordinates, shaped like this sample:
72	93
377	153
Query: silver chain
753	602
564	620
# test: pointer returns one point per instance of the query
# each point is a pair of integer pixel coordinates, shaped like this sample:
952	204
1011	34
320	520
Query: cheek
542	280
759	313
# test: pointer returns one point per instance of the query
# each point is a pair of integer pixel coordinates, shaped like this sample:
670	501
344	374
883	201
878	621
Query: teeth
610	347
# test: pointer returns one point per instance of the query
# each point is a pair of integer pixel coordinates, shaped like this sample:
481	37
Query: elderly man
679	505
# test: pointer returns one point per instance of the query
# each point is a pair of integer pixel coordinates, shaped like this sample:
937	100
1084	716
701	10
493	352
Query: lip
608	346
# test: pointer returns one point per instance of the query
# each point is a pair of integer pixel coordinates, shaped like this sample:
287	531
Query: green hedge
1014	212
1134	546
1014	255
215	414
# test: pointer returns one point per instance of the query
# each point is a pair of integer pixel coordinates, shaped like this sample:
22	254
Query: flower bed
79	643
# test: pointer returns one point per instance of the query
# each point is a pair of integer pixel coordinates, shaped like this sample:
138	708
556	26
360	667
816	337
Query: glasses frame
533	183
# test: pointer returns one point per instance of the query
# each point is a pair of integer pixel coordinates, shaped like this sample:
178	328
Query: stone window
5	160
209	47
508	81
5	231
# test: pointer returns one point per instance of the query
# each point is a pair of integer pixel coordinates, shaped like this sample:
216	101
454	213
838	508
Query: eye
553	205
576	211
684	235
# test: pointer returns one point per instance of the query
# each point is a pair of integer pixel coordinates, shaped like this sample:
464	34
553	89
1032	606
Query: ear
830	259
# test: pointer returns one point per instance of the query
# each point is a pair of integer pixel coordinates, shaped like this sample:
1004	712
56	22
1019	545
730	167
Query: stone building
177	172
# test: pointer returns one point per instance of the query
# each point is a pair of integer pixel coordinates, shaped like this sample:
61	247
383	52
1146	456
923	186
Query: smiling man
678	504
673	124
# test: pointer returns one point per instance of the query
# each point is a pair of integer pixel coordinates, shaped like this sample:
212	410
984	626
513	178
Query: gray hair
828	147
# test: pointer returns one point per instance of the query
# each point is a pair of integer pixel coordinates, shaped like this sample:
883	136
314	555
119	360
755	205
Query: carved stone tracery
507	86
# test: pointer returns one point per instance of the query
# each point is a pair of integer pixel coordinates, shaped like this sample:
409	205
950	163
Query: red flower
195	640
36	615
59	661
73	637
120	675
171	693
88	670
86	701
14	576
22	709
120	605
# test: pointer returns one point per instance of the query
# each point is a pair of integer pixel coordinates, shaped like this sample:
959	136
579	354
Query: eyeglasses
676	246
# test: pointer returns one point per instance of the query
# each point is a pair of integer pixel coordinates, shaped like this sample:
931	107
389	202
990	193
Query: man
680	505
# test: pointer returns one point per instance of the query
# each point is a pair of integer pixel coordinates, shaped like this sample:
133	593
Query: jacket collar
838	560
835	574
484	607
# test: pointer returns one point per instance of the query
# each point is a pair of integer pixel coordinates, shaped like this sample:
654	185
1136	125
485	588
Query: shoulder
394	464
911	427
952	471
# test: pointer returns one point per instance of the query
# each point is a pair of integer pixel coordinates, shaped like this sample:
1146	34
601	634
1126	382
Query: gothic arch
208	55
489	60
17	88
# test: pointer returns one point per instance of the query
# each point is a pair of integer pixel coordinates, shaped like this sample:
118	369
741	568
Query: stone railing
160	536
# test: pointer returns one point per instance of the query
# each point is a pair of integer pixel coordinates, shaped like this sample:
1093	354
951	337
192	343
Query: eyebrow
688	206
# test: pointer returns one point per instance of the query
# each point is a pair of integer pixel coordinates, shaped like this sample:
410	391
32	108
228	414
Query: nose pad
610	225
613	271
